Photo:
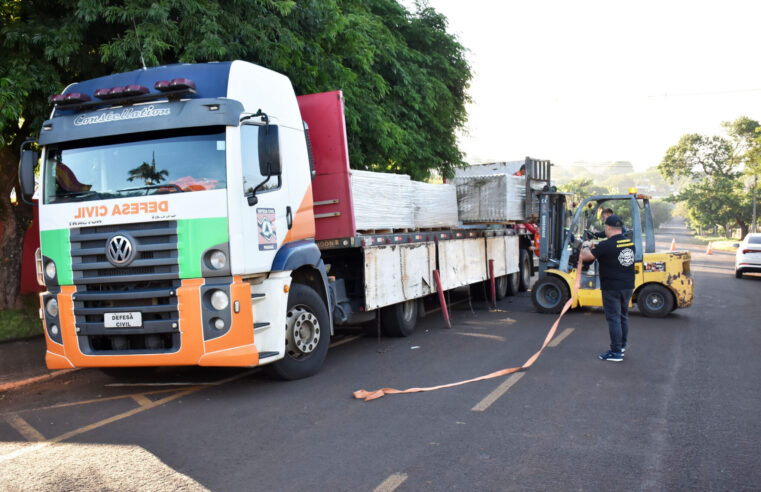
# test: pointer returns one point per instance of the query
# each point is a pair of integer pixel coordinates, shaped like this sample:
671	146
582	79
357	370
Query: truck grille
148	285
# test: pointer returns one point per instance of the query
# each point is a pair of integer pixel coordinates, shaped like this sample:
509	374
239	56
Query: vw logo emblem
120	251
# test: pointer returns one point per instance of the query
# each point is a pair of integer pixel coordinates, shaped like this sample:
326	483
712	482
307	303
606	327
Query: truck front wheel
398	320
307	335
550	294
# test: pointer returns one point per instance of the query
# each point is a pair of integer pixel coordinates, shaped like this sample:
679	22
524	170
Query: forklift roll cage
556	251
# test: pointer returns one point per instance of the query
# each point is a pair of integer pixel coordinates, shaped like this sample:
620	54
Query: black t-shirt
616	258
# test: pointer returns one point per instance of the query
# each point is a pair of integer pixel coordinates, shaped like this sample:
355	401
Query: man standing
616	258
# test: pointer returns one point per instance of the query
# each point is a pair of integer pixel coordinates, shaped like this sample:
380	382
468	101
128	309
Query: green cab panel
55	245
194	236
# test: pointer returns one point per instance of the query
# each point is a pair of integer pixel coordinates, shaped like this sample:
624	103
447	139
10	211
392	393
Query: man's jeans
616	305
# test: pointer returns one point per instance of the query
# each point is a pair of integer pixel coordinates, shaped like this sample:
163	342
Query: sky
596	81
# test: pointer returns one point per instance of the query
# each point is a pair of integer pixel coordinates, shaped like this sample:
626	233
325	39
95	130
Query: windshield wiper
79	194
153	187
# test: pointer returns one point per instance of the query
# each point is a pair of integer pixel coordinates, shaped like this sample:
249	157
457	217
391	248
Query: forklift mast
552	217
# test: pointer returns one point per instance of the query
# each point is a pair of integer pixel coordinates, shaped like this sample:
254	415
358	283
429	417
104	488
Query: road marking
22	426
141	400
391	483
36	379
556	341
480	335
501	390
87	402
345	340
132	385
121	416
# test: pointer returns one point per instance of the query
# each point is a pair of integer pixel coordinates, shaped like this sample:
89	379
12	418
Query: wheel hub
302	331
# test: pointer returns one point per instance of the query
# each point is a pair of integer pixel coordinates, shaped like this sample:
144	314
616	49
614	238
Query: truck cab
175	214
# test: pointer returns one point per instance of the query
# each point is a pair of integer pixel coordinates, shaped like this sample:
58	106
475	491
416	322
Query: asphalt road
680	413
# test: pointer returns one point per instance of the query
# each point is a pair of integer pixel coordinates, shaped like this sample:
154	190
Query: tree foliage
714	193
404	77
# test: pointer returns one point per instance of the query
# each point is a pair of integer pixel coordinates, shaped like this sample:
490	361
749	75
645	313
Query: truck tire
500	287
550	294
524	262
398	320
513	283
307	335
655	301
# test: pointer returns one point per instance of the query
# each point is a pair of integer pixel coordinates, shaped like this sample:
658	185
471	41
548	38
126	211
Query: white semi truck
188	217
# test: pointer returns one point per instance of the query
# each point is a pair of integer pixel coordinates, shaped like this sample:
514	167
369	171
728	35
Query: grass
21	323
720	243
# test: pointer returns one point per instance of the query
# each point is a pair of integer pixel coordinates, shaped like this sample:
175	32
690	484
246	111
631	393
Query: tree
582	188
404	77
746	134
713	194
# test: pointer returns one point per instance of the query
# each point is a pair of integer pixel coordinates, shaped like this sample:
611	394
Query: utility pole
755	192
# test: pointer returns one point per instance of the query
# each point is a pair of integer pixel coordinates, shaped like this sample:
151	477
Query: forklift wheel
550	294
655	301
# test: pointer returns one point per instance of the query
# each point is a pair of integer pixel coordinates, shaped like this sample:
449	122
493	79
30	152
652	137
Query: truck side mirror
27	163
269	151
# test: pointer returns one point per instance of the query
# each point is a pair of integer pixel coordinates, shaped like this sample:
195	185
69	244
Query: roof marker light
162	85
135	90
182	83
70	98
633	190
117	91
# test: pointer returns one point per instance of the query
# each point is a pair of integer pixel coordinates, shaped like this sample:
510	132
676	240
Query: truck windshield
133	166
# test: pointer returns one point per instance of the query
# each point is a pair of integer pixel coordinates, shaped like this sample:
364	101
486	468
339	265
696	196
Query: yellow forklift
662	280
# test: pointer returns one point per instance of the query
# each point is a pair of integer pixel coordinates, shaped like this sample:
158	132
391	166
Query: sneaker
612	356
623	349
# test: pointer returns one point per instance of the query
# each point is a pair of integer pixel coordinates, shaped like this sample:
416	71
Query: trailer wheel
399	320
524	261
307	335
550	294
513	283
500	287
655	301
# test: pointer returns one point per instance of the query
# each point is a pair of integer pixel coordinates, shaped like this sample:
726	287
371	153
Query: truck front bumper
197	342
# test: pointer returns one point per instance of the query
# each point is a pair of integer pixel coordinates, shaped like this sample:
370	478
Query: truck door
263	222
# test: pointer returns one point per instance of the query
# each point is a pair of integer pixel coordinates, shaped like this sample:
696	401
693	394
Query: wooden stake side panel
398	272
462	262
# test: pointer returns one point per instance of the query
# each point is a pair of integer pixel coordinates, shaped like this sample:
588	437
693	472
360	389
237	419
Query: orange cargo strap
372	395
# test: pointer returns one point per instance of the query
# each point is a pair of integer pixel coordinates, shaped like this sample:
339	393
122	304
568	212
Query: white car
748	257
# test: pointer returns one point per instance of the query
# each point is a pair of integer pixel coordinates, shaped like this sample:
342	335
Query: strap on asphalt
372	395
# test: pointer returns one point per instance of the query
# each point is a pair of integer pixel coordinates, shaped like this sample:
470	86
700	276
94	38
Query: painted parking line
22	427
142	400
563	335
480	335
391	483
501	390
142	408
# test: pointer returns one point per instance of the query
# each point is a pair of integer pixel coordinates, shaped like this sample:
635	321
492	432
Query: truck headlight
52	307
217	260
219	300
50	270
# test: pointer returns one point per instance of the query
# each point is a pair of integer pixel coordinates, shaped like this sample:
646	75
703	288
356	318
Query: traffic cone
673	244
709	249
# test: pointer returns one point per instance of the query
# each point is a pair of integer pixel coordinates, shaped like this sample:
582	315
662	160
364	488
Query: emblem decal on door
265	221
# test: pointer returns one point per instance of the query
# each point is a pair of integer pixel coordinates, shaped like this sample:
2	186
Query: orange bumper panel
235	348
